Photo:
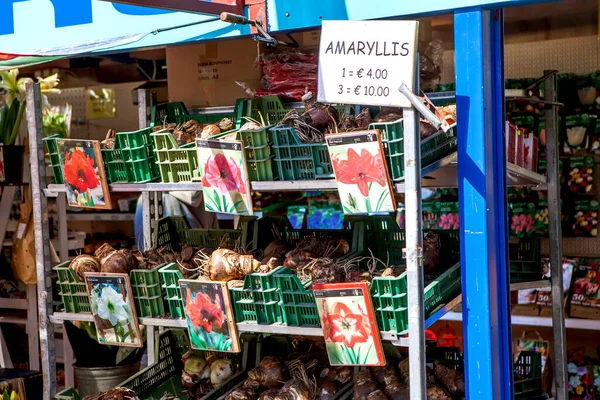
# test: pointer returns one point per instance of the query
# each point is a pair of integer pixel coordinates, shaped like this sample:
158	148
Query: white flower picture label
113	309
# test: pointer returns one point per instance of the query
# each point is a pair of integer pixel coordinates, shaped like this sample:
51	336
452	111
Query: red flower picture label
345	326
79	171
204	313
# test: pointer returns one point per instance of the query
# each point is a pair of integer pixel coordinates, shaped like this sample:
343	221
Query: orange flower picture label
349	327
207	311
361	172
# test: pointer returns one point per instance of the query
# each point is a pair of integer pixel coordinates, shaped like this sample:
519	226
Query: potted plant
11	116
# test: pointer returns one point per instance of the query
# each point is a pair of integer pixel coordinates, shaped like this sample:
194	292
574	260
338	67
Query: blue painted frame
482	201
286	15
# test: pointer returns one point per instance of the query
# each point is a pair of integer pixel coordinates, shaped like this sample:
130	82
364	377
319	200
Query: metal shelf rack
481	177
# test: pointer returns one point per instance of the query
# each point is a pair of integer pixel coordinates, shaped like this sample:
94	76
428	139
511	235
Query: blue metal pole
482	199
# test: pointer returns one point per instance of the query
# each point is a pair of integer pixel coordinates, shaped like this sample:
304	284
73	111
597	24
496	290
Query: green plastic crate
387	241
165	374
51	146
279	296
68	394
258	301
168	112
296	161
525	259
297	299
390	299
52	154
449	356
176	163
269	109
72	291
148	293
171	275
173	232
152	382
132	160
258	152
433	148
529	367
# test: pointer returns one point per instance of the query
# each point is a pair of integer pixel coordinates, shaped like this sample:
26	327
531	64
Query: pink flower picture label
224	176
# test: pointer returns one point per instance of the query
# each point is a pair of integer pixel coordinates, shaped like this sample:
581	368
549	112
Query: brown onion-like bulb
84	263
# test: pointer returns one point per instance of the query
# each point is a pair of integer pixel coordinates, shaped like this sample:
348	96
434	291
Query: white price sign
365	62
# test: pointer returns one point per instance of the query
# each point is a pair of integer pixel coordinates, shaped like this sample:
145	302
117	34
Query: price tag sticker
349	327
365	62
21	230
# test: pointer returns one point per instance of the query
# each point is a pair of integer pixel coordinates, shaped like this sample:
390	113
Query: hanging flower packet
577	130
581	179
522	219
585	219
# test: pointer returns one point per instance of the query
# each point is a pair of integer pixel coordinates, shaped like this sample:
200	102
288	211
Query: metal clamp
423	109
263	35
409	253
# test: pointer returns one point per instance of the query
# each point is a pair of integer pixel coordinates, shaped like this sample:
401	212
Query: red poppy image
360	170
203	312
345	326
80	171
223	174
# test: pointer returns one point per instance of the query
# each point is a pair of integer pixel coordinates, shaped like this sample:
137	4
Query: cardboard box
511	141
205	75
520	149
530	142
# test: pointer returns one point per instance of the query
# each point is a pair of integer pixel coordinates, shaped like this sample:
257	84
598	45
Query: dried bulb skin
342	375
130	259
270	373
377	395
115	263
104	251
364	384
326	389
452	380
225	265
84	263
210	130
294	389
241	394
269	394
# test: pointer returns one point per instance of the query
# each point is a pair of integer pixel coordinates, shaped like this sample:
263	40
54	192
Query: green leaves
10	121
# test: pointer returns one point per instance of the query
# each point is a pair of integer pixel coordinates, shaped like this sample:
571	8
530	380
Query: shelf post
555	242
150	201
42	237
478	36
414	253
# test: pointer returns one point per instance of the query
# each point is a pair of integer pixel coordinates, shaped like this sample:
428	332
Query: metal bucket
98	380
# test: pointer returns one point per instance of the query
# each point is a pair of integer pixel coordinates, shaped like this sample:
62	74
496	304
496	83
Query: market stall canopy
87	26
